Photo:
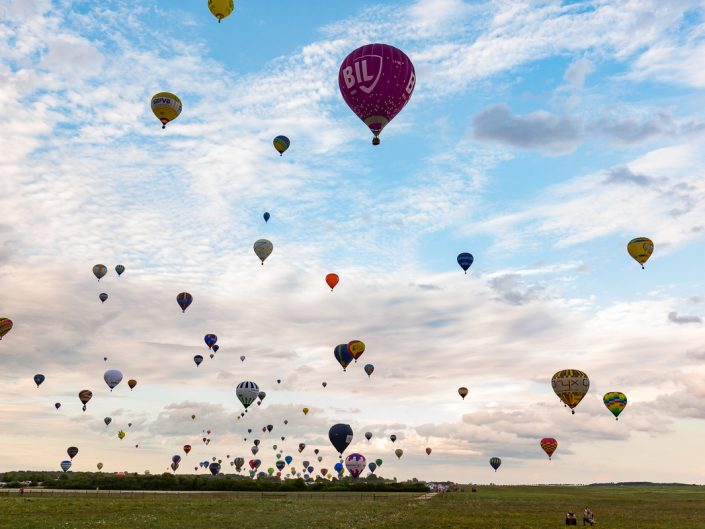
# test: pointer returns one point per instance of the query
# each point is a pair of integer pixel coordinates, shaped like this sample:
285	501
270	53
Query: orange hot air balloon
549	445
463	392
132	383
332	280
356	348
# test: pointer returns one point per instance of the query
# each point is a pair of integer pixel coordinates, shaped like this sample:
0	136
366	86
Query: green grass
489	508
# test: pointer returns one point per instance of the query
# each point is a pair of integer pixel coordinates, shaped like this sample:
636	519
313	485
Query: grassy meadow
488	508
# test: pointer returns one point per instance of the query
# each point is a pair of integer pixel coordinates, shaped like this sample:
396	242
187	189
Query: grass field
489	508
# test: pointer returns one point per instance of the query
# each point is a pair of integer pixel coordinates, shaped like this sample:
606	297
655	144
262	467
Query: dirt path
426	496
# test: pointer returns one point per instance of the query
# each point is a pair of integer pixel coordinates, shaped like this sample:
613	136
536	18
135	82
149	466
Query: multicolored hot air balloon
332	280
112	378
463	392
465	261
221	8
640	249
570	385
38	379
85	395
263	249
355	463
356	348
340	436
281	144
184	300
495	462
166	107
376	81
100	270
247	392
210	340
5	326
615	401
549	445
342	355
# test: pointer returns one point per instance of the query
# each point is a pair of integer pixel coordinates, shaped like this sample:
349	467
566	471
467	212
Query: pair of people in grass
588	517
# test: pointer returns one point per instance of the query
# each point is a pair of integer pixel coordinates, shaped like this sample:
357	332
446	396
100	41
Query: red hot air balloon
376	81
187	449
549	445
332	280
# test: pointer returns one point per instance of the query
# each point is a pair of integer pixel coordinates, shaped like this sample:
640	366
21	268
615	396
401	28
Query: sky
541	137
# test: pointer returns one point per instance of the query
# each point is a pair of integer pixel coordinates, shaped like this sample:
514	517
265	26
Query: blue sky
541	137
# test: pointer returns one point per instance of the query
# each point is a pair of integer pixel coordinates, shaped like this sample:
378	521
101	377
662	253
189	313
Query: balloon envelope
112	378
640	249
549	445
5	326
100	270
119	269
72	451
65	465
132	383
356	348
263	249
342	355
184	299
355	463
221	8
495	462
210	340
368	435
615	401
463	392
266	216
102	297
166	107
570	385
340	436
332	280
38	379
369	369
376	81
198	359
214	468
399	452
465	260
247	392
281	144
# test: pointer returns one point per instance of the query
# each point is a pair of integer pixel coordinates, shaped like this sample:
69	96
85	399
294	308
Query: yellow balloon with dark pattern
640	249
570	385
166	106
221	8
615	401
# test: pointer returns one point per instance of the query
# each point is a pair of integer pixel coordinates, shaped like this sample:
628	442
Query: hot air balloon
102	297
132	383
379	462
338	467
355	463
239	461
57	405
176	458
100	466
193	417
428	450
261	395
495	462
215	348
301	447
266	216
107	421
324	471
100	270
85	395
376	81
372	466
72	451
281	144
221	8
187	449
38	379
465	261
263	248
247	392
242	358
119	269
121	435
184	300
280	465
342	355
112	378
166	106
324	384
356	348
65	465
399	452
198	359
369	369
463	392
270	427
5	326
615	402
392	438
340	436
570	385
368	435
211	355
210	340
549	445
640	249
332	280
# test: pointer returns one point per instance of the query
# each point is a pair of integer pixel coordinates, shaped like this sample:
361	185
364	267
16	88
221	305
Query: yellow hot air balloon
121	435
305	410
166	106
570	385
640	249
221	8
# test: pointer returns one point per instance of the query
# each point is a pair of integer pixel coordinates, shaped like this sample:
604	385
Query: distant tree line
193	482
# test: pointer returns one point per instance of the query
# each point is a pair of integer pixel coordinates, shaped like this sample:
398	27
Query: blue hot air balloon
184	300
210	340
176	459
288	459
38	379
369	369
215	348
340	436
198	359
342	355
338	467
280	465
65	465
495	462
465	261
266	216
214	468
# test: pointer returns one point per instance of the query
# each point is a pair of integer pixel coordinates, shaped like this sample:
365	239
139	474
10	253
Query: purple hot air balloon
376	81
